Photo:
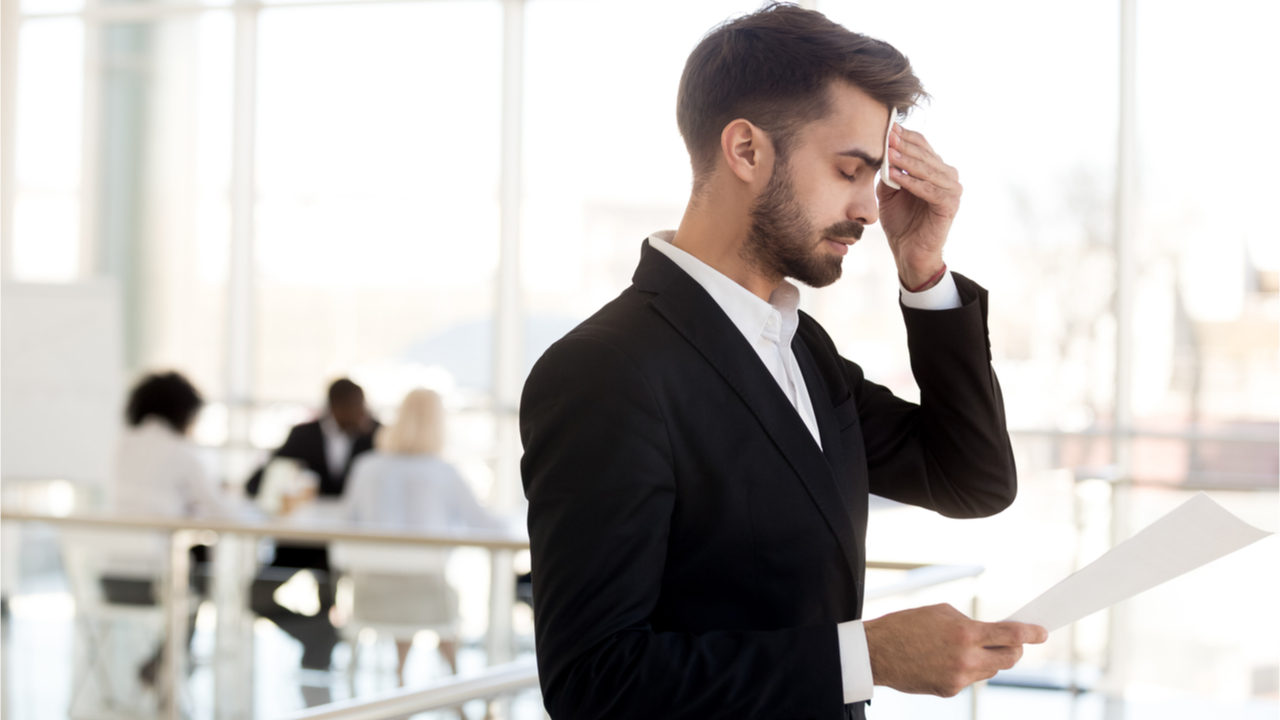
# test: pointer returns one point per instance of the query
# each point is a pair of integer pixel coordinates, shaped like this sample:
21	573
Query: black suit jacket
693	548
306	444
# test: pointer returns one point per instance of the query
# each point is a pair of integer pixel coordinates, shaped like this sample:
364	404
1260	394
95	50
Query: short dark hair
774	67
168	396
343	391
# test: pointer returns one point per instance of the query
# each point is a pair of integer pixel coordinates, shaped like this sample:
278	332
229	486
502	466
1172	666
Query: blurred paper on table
1196	533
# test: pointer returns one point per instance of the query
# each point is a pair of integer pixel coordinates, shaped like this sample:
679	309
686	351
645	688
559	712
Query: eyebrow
864	156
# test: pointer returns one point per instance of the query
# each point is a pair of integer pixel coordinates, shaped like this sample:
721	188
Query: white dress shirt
157	473
412	492
407	493
770	328
337	445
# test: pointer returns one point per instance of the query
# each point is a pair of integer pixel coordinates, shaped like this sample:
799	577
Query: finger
902	152
1012	633
925	190
929	169
911	137
901	141
923	154
1003	658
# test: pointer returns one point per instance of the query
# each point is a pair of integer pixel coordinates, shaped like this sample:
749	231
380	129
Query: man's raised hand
936	650
917	218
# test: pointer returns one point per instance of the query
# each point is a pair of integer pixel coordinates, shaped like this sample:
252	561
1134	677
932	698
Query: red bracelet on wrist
936	277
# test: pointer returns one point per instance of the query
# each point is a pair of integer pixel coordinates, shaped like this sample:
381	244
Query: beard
782	241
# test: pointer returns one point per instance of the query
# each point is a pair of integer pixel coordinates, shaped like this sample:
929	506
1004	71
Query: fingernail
895	154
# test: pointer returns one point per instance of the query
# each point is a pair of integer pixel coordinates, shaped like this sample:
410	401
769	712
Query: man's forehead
855	125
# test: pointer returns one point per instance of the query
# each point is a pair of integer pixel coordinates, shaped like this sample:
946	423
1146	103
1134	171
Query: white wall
61	380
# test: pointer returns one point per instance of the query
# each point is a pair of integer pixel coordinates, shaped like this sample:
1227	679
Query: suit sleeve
951	453
599	477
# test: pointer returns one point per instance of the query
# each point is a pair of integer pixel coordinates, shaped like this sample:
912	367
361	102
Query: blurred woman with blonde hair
405	485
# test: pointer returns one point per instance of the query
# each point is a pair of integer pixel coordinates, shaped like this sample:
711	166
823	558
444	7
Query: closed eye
868	162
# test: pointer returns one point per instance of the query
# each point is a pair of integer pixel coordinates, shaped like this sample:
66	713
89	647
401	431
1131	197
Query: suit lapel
839	476
823	409
319	460
696	316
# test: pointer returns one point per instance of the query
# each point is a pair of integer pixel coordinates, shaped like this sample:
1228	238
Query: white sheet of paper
1196	533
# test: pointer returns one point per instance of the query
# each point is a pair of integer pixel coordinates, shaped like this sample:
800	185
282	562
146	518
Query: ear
747	151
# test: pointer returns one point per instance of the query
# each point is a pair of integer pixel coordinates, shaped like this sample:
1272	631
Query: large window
372	182
378	178
604	164
46	222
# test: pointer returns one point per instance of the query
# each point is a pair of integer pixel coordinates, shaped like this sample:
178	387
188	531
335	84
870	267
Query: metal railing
234	568
1195	476
511	677
918	577
318	533
492	682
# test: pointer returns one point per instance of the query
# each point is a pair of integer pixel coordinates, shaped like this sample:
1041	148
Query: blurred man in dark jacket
326	447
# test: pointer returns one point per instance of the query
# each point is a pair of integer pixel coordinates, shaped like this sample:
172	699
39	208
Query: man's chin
823	273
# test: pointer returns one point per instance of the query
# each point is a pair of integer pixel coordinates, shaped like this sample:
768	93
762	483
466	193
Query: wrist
874	652
915	281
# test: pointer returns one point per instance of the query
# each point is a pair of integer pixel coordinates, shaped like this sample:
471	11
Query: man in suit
327	447
698	456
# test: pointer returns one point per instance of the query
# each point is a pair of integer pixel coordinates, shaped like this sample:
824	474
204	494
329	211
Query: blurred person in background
156	472
156	469
405	485
326	447
329	445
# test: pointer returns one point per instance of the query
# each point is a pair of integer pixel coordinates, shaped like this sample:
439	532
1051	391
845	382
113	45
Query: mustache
845	229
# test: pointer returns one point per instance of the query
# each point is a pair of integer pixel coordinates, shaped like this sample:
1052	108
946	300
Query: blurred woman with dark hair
157	471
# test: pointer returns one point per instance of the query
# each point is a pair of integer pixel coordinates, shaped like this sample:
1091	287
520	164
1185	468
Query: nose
863	207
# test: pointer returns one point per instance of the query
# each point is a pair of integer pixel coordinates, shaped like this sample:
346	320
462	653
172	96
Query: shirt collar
154	424
330	427
746	311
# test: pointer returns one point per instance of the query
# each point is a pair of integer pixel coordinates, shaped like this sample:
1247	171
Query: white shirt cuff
943	296
855	662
